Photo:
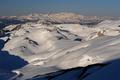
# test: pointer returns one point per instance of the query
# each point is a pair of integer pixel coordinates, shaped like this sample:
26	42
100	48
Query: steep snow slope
104	71
107	49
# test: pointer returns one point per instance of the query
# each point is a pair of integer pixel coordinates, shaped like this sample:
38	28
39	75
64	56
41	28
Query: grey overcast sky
85	7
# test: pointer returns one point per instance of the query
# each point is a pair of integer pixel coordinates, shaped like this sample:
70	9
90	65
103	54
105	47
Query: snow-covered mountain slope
107	49
50	48
32	40
104	71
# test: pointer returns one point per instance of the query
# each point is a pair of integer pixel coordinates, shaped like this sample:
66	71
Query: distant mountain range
54	18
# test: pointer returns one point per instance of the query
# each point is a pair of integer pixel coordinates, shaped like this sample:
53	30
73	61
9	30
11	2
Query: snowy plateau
59	46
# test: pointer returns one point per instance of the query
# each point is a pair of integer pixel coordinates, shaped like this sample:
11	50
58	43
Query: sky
84	7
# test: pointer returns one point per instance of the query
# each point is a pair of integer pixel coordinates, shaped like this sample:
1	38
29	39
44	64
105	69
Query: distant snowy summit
57	18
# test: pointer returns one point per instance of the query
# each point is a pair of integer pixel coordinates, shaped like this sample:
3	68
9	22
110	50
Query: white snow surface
49	48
